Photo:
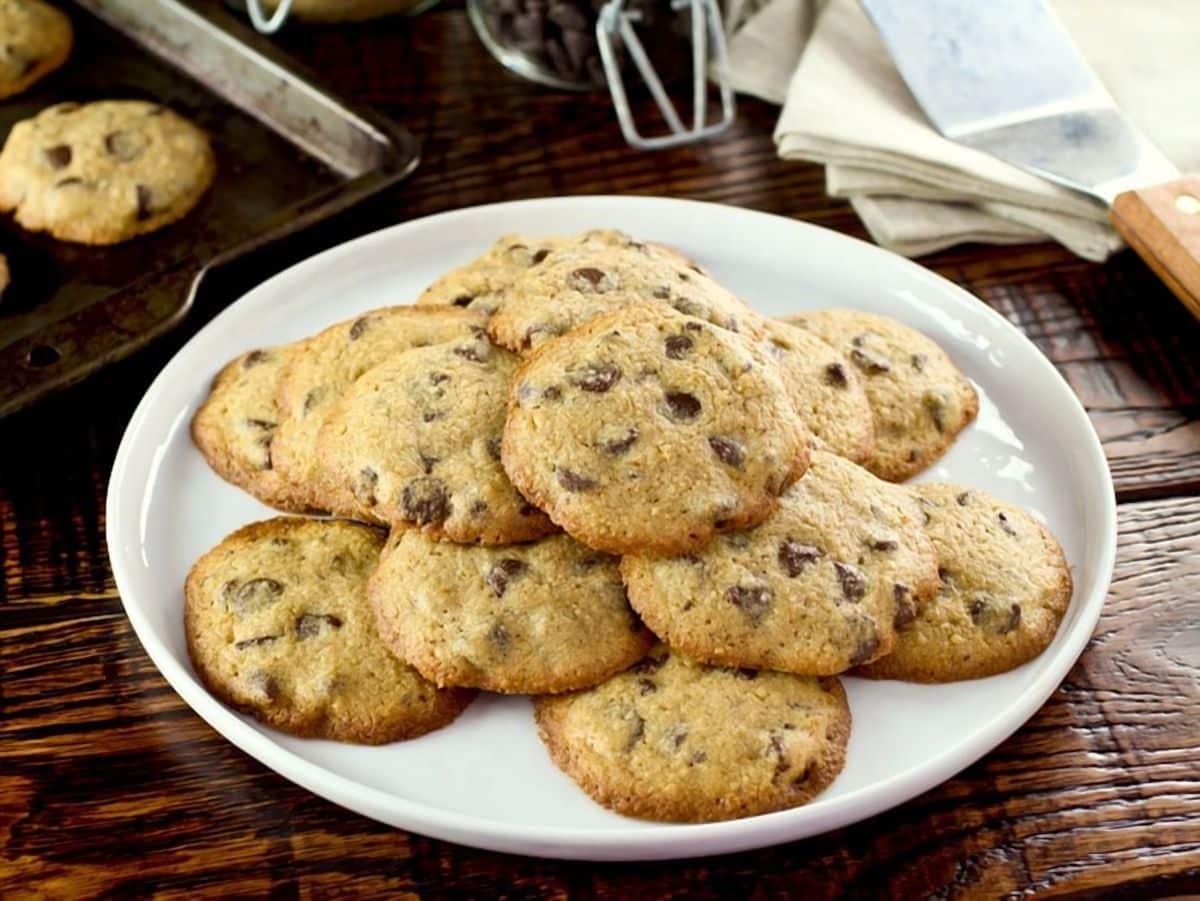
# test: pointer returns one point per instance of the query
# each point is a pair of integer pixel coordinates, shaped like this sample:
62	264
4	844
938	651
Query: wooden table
109	783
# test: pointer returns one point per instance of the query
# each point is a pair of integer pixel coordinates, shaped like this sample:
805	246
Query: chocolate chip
794	557
697	757
538	256
727	450
963	499
775	749
359	326
918	362
145	200
905	605
683	406
255	642
499	638
266	426
252	596
866	647
263	686
869	363
463	300
1006	523
677	346
573	481
882	544
674	736
58	157
553	392
753	600
310	625
502	572
428	461
835	374
596	377
493	447
661	293
425	501
853	582
993	615
124	145
587	279
637	732
364	486
437	378
432	415
621	444
935	406
313	397
647	686
478	508
254	358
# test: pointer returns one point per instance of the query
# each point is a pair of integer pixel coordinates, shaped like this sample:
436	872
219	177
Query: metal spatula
1004	78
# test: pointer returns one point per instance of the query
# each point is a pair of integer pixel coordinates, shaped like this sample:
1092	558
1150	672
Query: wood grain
110	785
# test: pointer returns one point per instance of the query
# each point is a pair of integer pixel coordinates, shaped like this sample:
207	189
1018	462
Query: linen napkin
846	106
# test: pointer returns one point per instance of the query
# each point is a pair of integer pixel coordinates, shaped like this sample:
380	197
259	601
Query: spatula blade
1006	79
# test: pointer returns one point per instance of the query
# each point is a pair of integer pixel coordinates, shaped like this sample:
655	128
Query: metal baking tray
289	155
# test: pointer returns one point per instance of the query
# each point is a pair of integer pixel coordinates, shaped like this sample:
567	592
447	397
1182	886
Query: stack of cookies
610	484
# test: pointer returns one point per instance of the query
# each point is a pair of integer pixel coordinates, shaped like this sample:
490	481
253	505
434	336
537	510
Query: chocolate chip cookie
573	286
104	172
328	363
672	739
530	618
817	588
479	284
278	626
416	443
824	388
234	426
648	431
919	398
1005	589
35	39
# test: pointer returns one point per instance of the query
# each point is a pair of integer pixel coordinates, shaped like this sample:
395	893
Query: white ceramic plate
486	780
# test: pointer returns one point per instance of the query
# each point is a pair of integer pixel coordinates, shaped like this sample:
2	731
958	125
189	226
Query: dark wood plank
108	783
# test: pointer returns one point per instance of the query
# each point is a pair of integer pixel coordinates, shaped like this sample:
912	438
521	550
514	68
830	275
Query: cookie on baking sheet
824	389
1005	589
575	285
416	442
817	588
35	39
328	363
919	398
529	618
650	431
234	426
672	739
278	626
104	172
479	284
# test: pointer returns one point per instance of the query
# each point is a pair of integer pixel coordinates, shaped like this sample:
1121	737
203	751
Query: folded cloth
846	106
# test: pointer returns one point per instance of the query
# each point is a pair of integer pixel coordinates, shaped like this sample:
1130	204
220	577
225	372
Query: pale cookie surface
234	426
817	588
573	286
672	739
649	431
103	172
328	363
278	626
1005	589
919	398
416	442
35	39
825	390
479	284
531	618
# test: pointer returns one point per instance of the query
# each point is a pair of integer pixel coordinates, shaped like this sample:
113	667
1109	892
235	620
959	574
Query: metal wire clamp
615	24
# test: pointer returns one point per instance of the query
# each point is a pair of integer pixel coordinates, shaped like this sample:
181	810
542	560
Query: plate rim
641	840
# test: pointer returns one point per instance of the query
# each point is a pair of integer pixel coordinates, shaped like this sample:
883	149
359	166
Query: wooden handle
1162	224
